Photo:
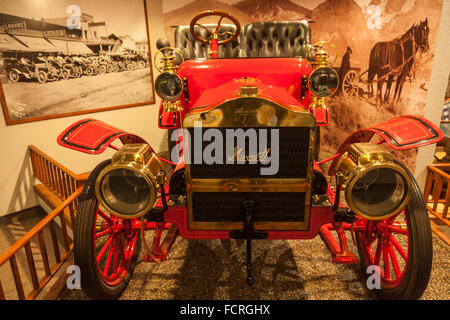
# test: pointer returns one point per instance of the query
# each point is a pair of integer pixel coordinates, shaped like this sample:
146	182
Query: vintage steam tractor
244	105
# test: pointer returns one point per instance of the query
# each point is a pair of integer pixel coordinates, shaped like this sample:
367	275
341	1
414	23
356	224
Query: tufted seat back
276	39
258	39
192	48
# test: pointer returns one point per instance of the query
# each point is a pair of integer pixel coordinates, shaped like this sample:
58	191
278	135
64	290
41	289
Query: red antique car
244	105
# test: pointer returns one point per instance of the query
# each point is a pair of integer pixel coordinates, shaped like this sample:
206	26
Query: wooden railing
57	179
24	243
66	186
438	201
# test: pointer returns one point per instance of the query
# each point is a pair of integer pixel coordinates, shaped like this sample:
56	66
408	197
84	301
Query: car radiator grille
222	207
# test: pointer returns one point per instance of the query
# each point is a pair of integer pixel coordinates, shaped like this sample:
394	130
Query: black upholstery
276	39
259	39
193	48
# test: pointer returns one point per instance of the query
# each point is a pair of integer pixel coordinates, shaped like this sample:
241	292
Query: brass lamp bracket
320	55
168	59
321	59
167	63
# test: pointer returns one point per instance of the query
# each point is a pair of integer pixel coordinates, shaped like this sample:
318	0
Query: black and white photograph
61	57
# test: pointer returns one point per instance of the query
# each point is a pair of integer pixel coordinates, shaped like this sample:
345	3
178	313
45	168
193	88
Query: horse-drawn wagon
390	61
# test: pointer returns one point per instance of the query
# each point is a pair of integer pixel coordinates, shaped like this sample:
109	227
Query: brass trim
225	115
360	170
248	185
250	112
266	225
358	160
324	102
141	159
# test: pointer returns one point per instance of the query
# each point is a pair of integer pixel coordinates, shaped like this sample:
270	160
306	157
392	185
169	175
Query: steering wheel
213	37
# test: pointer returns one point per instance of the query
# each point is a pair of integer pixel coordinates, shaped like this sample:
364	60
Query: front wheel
102	69
14	76
106	248
401	247
42	77
65	74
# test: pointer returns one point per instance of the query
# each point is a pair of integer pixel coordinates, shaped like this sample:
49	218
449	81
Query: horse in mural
392	61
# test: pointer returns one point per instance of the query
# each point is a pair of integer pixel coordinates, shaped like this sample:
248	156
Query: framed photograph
66	57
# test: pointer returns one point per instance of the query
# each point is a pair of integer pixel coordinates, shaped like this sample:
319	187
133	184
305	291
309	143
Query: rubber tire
102	69
65	74
84	253
14	76
420	250
42	77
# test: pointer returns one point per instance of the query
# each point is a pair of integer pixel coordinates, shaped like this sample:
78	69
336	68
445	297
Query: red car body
209	83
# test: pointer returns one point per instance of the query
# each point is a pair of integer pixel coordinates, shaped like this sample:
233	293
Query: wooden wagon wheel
350	84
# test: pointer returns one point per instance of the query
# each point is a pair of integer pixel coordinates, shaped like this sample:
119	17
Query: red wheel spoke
130	247
397	246
397	230
122	251
98	235
387	271
116	257
397	270
105	247
104	216
108	260
377	254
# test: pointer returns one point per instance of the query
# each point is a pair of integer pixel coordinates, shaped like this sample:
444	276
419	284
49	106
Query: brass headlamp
376	187
323	80
168	84
128	187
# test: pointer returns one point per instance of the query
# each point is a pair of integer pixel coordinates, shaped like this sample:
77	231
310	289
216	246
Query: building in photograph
19	34
93	34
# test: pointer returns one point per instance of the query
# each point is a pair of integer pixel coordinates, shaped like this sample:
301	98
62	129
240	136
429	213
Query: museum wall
16	181
436	90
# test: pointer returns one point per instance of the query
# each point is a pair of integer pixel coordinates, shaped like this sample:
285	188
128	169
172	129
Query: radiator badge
253	146
239	155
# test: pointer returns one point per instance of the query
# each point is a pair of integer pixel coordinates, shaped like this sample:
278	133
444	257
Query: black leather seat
259	39
192	48
276	39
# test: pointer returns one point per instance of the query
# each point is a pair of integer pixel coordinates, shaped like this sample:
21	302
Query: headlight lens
169	86
377	193
126	192
323	82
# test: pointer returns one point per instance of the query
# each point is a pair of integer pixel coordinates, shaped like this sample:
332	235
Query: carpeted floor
283	269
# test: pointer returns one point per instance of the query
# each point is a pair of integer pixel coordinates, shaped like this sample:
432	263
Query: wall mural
385	49
65	57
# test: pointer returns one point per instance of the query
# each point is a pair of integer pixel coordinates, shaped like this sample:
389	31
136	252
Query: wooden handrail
24	242
34	231
435	181
439	171
56	177
56	163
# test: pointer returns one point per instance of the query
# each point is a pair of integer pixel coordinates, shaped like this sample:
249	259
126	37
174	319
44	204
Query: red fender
94	136
401	133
